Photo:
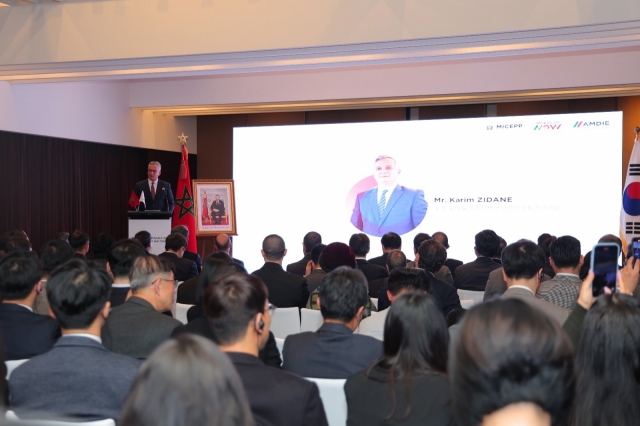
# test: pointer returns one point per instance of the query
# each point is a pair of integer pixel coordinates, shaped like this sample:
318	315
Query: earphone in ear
261	325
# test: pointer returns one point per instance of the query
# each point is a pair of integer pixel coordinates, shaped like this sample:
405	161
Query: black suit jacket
278	398
183	268
380	260
285	290
118	296
299	267
444	293
452	264
26	334
474	275
332	352
371	271
162	197
187	291
189	255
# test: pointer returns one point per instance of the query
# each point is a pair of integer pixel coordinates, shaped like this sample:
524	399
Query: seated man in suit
442	238
401	280
137	327
389	241
217	210
120	259
315	273
157	193
175	246
101	245
240	315
431	257
223	245
360	245
395	260
566	260
78	377
145	239
496	284
308	243
473	275
53	254
79	241
285	290
189	255
523	262
388	207
334	352
444	274
25	333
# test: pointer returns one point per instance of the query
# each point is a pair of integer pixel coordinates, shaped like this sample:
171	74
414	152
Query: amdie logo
590	124
548	126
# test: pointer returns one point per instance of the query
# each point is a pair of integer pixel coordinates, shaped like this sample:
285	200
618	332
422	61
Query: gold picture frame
207	194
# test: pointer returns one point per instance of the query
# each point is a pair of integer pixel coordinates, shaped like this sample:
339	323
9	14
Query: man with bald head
223	244
285	290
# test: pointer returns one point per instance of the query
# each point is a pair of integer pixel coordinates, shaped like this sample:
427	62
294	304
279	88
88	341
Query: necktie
153	190
383	202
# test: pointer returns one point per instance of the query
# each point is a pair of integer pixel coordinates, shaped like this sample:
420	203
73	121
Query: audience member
78	377
120	260
308	243
25	333
360	245
409	384
53	254
431	257
544	242
389	241
145	239
498	256
198	379
137	327
566	260
395	260
62	236
443	274
417	240
286	290
190	292
442	238
101	245
496	285
334	352
240	318
315	272
4	239
223	245
79	241
522	269
473	275
189	255
401	280
175	246
512	366
17	244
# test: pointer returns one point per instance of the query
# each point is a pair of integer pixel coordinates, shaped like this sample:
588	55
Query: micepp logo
590	124
555	125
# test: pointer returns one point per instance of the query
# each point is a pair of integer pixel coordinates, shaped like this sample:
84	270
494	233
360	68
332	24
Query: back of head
391	241
9	235
101	245
175	242
396	259
342	292
510	353
17	244
432	256
63	236
121	256
316	251
181	230
273	247
311	240
442	238
608	363
544	242
487	243
146	270
20	271
78	239
209	266
223	270
144	237
222	242
409	279
359	244
53	254
77	292
610	238
232	303
565	252
187	381
522	260
501	246
419	239
335	255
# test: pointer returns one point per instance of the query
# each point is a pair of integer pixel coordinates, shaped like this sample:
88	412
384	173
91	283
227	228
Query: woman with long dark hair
409	384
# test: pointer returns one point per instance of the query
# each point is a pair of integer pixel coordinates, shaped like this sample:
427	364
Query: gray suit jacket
78	378
496	285
556	313
136	329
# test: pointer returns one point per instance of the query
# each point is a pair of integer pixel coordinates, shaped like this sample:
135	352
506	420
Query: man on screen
389	207
217	210
157	193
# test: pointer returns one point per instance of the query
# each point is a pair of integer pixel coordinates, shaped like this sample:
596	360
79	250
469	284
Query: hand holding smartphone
604	264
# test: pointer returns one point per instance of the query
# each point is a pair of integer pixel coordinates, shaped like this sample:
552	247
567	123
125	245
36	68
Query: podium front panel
159	228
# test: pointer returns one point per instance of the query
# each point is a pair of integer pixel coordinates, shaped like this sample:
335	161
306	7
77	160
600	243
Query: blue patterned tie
383	202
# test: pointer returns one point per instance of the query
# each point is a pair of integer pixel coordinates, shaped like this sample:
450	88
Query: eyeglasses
175	283
272	309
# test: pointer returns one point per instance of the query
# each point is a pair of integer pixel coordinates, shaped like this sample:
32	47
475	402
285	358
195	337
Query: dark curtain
49	185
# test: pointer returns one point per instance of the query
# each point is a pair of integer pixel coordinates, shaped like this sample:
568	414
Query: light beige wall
115	29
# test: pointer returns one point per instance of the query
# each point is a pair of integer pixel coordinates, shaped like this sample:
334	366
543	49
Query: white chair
333	399
467	304
285	321
311	320
476	296
181	312
11	365
12	419
375	302
280	345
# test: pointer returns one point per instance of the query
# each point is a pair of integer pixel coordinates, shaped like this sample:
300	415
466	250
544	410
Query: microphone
165	197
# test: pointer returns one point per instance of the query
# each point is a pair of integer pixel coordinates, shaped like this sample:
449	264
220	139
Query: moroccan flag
205	209
630	211
133	200
184	211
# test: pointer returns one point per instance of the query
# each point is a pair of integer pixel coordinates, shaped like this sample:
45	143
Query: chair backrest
476	296
11	365
285	321
280	345
333	399
467	304
12	419
181	312
311	320
375	302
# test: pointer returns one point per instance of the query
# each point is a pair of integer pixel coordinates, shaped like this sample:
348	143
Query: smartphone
604	264
636	249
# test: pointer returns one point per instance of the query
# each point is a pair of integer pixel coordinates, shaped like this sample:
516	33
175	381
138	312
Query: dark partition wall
50	185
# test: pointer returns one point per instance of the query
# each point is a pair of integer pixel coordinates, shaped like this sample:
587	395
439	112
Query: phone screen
636	249
604	263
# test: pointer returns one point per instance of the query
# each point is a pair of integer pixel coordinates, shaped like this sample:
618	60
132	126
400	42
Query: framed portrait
215	206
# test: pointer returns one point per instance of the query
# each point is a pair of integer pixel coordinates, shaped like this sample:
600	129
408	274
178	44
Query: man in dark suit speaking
389	207
157	193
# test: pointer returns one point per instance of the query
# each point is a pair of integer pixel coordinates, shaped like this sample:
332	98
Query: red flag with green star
184	211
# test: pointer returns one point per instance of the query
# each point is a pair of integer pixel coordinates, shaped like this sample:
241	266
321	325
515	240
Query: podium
157	223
